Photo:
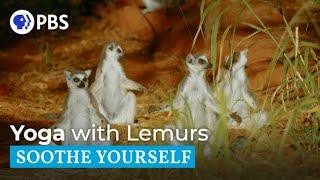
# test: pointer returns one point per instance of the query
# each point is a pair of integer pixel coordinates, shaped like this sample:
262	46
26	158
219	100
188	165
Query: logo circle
22	21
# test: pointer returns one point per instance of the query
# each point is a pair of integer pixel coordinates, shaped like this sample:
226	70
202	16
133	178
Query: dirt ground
32	84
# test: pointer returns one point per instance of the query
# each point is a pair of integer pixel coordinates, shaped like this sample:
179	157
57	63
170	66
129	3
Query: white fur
195	94
195	101
152	5
111	89
238	95
79	113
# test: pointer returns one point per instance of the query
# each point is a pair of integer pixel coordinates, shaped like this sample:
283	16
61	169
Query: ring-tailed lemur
111	87
152	5
239	97
195	92
80	110
194	99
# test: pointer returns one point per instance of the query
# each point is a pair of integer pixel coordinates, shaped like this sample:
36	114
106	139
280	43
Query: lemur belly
198	112
233	91
80	114
195	89
113	93
195	94
81	120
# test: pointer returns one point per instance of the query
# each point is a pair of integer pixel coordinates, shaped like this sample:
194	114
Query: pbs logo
22	21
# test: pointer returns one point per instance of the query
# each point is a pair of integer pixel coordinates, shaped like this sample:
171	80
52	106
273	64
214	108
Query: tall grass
288	147
294	105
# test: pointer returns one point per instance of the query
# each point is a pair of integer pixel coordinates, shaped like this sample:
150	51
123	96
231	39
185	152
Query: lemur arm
96	119
64	122
211	103
178	102
248	97
132	85
96	87
97	113
95	94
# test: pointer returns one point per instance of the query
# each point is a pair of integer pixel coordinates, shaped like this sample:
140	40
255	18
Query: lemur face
238	60
197	63
78	80
114	50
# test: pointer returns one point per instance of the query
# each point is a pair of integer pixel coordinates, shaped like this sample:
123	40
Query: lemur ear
67	74
226	59
88	72
204	57
189	58
244	52
110	46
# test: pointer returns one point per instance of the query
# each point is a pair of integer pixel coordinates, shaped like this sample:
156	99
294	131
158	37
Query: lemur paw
161	108
145	11
143	89
153	108
236	118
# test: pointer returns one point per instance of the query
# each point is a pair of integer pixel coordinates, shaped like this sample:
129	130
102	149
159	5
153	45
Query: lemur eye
110	48
202	61
76	79
119	50
85	79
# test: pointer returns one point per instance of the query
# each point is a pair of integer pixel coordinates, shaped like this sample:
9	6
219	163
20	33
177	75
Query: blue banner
102	157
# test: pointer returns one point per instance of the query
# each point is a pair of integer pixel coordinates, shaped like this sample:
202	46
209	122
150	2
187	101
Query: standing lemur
195	94
80	111
194	99
111	87
239	98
